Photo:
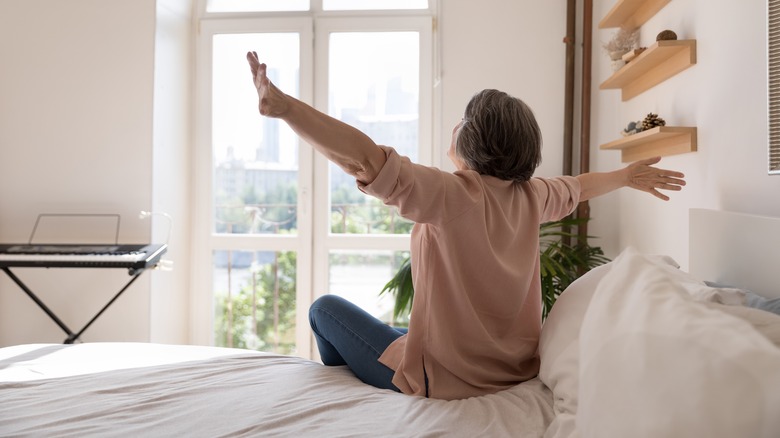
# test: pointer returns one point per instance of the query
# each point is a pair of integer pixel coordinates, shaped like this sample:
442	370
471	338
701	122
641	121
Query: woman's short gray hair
499	137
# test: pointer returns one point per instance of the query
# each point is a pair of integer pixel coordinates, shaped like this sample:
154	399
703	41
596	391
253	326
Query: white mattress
126	389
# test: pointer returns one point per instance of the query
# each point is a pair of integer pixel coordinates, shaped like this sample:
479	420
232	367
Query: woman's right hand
641	175
272	102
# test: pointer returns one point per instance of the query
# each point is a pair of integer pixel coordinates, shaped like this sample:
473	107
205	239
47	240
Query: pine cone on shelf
651	121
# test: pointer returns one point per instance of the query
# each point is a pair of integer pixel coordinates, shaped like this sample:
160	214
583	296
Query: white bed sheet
128	389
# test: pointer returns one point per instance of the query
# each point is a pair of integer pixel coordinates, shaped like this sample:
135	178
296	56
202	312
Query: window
256	5
346	5
380	96
773	43
303	5
276	225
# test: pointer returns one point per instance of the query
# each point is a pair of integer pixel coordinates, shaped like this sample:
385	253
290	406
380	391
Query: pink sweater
476	320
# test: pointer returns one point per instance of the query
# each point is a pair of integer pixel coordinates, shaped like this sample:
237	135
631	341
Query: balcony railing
255	290
352	218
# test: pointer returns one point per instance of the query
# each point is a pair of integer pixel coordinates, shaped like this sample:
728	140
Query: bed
637	347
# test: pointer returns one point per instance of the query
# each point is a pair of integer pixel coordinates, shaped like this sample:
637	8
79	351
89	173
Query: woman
476	319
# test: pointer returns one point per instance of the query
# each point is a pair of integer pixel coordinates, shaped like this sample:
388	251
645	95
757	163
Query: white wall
171	163
513	46
77	135
724	95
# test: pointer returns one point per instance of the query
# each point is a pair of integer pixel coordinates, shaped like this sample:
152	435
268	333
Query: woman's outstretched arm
640	175
345	145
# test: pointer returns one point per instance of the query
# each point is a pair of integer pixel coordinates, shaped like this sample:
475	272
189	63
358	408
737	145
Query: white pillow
656	363
559	349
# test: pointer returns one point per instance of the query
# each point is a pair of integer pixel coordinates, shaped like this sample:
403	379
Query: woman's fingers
651	179
659	195
666	186
654	192
670	173
257	68
251	57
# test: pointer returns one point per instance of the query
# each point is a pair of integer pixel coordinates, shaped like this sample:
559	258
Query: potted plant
564	257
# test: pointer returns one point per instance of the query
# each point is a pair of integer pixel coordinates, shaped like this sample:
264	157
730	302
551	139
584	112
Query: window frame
205	241
312	247
325	242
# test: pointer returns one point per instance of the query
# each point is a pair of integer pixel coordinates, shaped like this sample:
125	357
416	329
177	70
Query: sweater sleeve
558	196
422	194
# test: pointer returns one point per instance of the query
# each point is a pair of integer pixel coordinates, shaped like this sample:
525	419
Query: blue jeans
348	335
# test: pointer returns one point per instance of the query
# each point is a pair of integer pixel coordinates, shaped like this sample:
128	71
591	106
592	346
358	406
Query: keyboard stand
134	273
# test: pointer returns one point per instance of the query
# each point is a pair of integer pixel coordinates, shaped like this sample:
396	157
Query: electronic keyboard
133	257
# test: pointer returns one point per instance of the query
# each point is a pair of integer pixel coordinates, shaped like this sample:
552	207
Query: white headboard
736	249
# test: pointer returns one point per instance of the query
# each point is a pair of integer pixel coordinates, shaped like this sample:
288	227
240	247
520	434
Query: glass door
378	80
257	175
275	224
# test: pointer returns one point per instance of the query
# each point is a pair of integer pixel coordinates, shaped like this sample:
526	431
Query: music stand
75	224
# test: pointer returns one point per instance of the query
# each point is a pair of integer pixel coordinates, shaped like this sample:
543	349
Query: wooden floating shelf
659	62
631	14
658	141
